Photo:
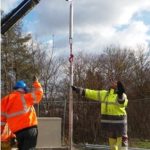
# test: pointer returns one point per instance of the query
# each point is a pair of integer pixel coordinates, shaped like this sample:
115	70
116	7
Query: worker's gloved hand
75	88
35	78
13	142
120	91
78	90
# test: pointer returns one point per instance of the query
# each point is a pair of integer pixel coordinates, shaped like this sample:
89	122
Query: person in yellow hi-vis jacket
113	113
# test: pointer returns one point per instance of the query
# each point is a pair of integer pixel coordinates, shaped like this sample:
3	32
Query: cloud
97	23
7	5
134	35
52	17
108	12
95	39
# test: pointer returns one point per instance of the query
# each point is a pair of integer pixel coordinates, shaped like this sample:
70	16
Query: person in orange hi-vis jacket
18	112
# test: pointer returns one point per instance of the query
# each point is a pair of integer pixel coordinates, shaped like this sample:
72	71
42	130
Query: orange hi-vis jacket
17	108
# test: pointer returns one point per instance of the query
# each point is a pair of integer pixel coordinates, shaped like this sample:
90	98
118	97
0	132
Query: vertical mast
71	76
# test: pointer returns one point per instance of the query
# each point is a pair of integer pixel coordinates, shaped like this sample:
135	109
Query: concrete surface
105	147
49	135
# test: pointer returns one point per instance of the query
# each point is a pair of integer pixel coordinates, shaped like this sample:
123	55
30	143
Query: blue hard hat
21	84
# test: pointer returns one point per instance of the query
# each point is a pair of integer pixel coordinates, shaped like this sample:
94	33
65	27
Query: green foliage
16	59
139	143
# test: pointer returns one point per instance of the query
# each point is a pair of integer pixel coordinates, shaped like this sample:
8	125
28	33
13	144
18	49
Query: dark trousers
27	138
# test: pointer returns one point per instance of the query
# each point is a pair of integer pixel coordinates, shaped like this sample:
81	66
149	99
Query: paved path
104	147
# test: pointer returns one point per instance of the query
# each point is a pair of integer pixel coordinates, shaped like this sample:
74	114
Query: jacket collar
112	91
20	90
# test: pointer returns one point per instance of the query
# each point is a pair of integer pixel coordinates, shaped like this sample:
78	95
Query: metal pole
71	77
64	122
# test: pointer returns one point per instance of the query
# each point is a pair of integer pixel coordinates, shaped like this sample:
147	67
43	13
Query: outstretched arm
90	94
79	90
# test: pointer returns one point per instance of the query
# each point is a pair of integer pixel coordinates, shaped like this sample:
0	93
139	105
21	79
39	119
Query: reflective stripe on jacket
17	108
111	110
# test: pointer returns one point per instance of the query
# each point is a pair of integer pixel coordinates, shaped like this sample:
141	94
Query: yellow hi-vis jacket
112	111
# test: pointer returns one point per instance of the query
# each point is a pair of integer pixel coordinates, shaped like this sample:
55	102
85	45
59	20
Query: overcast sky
97	23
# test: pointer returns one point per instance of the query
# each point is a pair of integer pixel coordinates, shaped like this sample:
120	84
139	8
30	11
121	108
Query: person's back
113	113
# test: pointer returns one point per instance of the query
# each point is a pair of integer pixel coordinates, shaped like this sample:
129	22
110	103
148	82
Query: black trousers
114	130
27	138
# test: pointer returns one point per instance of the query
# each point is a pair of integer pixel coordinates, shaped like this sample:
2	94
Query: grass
139	143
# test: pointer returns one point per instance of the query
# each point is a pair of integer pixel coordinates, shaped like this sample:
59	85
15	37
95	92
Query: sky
97	23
